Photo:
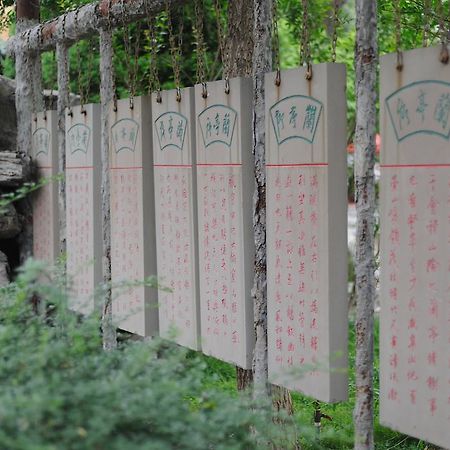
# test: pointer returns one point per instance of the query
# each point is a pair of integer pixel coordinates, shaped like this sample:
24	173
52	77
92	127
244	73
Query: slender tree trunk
106	96
62	59
366	57
262	63
28	100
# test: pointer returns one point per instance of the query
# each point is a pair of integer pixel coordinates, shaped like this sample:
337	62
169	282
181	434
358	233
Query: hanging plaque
225	186
45	201
176	216
133	249
415	246
307	231
83	205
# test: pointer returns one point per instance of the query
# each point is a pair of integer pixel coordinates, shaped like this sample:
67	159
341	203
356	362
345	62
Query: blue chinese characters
422	107
170	128
41	141
78	138
295	117
124	135
217	124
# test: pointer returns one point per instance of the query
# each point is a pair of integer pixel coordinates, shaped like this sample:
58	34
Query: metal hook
115	102
158	96
204	90
399	66
278	77
83	110
178	98
444	56
309	72
131	102
227	85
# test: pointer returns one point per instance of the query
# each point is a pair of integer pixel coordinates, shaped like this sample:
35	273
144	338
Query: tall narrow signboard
83	200
133	249
176	216
415	246
225	185
45	201
306	231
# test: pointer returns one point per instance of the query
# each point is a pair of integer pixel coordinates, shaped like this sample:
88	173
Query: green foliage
23	191
60	390
338	433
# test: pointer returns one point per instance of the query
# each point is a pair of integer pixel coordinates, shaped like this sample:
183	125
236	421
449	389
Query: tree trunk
366	57
106	95
28	94
62	58
262	63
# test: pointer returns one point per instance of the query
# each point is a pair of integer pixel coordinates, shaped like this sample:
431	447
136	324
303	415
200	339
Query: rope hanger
305	47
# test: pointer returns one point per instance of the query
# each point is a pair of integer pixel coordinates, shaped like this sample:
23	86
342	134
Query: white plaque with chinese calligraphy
133	249
83	206
45	200
225	186
176	216
307	231
415	246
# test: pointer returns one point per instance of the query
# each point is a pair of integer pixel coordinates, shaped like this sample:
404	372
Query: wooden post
106	96
28	99
262	63
62	57
83	22
366	58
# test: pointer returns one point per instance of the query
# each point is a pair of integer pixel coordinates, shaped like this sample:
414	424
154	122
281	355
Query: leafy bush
60	390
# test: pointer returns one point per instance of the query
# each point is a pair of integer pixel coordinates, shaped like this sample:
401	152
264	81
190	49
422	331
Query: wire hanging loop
79	71
276	42
66	63
153	80
444	54
223	47
175	50
398	34
334	29
305	45
133	68
200	46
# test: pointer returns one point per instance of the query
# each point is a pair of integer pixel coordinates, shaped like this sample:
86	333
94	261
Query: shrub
60	390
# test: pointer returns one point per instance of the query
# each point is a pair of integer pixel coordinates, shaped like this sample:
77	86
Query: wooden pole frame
83	22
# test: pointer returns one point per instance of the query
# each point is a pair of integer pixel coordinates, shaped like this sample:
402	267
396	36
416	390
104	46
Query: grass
336	434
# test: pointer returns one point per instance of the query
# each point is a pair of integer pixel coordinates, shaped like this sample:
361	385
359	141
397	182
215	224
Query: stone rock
14	168
9	223
8	136
4	270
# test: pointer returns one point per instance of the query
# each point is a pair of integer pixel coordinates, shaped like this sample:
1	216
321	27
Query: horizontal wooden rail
84	22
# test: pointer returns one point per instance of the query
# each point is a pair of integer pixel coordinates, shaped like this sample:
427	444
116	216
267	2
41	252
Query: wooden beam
83	22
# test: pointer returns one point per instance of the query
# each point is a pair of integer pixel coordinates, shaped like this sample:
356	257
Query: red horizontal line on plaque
127	167
298	165
79	167
172	165
219	165
387	166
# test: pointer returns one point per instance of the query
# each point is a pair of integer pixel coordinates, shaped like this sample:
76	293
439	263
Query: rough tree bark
28	100
262	63
366	58
106	96
62	58
83	22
